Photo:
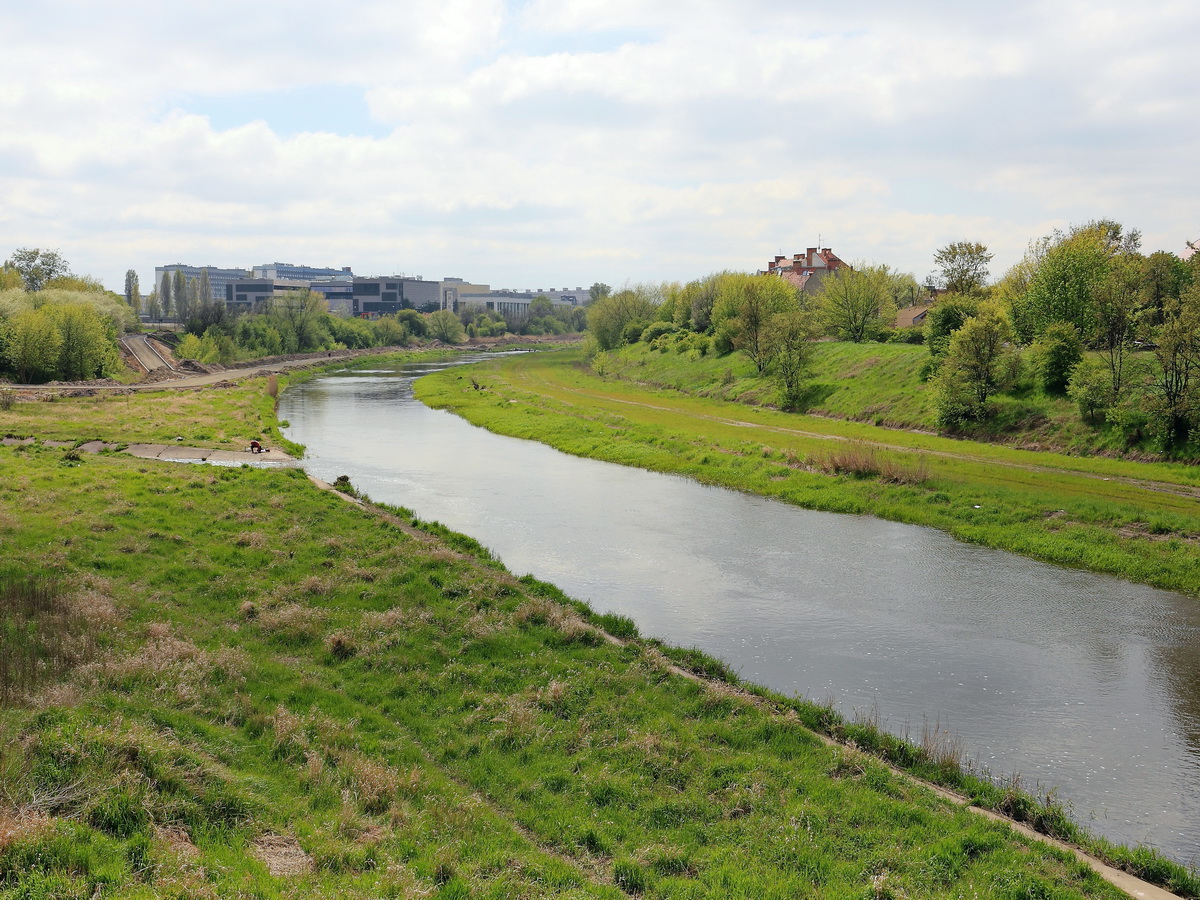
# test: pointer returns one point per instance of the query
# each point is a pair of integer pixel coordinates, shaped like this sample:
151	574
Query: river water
1078	683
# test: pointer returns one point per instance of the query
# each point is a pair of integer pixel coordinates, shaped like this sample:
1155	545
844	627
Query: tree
963	266
977	364
204	289
788	350
944	318
36	267
179	295
1056	354
608	316
1064	279
1164	276
1174	388
856	303
443	325
153	308
598	291
299	314
164	295
86	350
133	293
31	346
751	302
1117	316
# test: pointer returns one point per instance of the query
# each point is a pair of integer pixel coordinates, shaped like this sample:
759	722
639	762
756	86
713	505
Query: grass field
879	384
230	684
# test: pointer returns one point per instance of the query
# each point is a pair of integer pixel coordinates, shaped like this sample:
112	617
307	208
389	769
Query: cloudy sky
560	142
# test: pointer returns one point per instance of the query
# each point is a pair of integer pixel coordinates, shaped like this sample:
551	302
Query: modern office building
507	302
339	293
218	278
301	273
390	294
253	294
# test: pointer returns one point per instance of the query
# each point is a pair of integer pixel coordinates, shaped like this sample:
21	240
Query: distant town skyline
554	142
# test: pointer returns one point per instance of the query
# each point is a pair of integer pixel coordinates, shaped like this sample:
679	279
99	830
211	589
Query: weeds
864	461
43	633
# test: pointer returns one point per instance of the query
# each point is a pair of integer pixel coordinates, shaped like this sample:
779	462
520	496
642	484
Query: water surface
1077	682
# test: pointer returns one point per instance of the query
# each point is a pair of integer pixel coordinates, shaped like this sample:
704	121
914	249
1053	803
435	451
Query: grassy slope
274	668
876	383
1091	512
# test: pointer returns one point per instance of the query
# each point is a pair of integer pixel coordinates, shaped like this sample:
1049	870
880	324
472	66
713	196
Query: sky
555	143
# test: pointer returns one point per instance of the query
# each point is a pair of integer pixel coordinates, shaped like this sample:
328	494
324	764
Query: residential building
912	316
808	269
218	278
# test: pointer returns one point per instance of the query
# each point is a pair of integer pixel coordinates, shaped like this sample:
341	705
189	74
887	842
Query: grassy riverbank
880	384
1136	520
224	682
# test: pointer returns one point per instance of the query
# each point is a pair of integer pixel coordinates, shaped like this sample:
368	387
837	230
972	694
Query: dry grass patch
293	622
255	540
864	461
21	825
540	611
282	855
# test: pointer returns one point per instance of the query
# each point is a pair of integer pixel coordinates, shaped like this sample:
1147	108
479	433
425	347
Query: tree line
54	325
1084	314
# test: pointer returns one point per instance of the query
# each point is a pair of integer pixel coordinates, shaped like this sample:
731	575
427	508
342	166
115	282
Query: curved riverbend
1076	681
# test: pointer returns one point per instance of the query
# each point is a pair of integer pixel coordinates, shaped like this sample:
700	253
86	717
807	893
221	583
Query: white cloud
575	141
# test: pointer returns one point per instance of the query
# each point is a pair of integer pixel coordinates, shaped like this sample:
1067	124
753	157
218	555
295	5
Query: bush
1055	355
632	332
1091	389
656	330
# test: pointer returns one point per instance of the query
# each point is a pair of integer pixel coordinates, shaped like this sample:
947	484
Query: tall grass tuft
41	634
864	461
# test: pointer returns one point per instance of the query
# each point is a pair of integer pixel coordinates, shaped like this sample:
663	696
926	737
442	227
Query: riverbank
1138	521
258	688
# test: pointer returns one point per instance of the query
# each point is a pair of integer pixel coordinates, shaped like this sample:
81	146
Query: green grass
283	675
875	383
1135	520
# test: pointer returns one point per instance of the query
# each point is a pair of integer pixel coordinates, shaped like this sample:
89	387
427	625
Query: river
1080	683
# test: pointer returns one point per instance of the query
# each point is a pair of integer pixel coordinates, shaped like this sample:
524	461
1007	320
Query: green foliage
1064	273
608	316
744	309
1175	381
856	304
443	325
978	363
963	266
944	318
787	347
37	267
1055	355
1090	387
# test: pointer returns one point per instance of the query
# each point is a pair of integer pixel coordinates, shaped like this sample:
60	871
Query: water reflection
1074	680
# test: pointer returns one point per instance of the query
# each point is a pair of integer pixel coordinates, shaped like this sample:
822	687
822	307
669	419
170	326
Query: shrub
1091	389
656	330
1055	355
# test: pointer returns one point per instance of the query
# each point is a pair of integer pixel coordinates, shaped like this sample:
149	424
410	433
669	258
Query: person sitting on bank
256	447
